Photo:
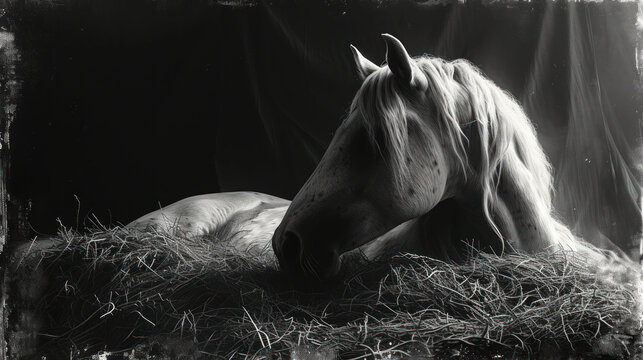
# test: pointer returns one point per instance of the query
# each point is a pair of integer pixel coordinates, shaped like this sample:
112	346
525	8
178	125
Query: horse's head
400	151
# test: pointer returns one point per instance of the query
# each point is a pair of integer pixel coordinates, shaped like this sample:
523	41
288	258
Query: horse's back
246	217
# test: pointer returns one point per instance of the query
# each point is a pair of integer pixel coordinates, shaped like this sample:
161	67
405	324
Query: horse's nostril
291	247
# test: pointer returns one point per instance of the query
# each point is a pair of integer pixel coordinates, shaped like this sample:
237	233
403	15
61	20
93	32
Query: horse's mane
462	97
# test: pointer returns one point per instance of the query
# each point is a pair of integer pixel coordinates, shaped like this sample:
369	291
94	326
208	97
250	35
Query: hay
112	289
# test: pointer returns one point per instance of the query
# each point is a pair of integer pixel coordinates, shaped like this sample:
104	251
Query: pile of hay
168	296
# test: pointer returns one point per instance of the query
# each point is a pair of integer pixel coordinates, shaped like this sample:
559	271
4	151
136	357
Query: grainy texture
9	89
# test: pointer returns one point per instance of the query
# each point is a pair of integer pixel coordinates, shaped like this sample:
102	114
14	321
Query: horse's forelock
382	106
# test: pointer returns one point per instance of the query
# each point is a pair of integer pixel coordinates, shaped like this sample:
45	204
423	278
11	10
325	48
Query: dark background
128	104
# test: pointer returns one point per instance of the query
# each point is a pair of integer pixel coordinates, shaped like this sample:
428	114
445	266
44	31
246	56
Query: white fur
246	220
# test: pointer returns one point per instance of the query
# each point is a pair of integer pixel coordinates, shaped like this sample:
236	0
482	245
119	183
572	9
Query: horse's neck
445	233
453	227
525	220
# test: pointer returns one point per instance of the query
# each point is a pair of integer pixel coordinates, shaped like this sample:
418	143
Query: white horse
431	153
430	142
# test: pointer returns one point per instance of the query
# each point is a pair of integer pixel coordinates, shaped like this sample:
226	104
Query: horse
432	157
432	146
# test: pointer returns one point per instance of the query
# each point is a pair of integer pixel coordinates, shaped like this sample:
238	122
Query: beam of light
598	188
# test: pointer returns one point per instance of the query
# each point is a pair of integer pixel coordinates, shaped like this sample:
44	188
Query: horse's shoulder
262	215
256	225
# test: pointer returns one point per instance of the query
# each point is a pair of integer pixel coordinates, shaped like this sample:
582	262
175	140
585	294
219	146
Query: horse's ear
401	64
364	66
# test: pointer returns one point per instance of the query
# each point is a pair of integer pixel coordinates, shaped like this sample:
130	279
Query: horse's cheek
426	189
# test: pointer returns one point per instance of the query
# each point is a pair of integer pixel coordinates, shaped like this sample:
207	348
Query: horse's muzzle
304	262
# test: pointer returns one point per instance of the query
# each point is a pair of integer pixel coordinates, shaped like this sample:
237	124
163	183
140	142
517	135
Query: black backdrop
128	104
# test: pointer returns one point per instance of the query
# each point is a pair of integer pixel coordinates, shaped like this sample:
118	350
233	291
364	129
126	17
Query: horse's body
246	220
